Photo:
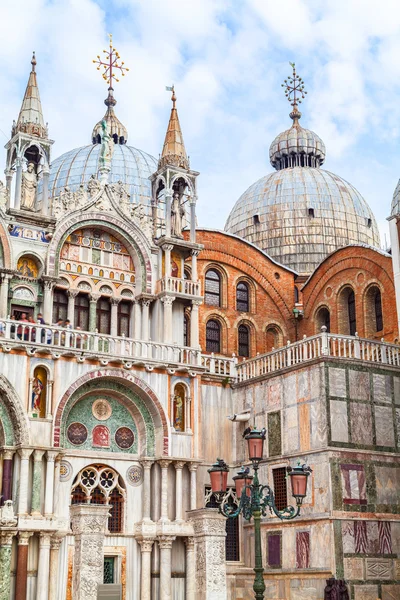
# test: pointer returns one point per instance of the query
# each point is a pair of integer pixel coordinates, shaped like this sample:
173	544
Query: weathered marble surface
337	382
390	592
353	568
387	484
366	592
382	387
378	568
361	424
339	421
5	565
359	386
384	426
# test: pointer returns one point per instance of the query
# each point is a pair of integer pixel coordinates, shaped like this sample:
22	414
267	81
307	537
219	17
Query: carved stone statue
29	187
93	185
3	195
177	212
107	146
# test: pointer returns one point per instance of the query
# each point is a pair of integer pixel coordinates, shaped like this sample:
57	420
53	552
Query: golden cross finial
110	64
294	91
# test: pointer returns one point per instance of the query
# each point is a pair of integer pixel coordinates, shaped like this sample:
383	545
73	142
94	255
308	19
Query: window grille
244	341
108	569
351	305
124	318
212	290
115	518
232	545
280	487
242	297
213	336
378	311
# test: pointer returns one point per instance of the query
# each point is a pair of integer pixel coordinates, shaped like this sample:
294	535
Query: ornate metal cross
110	64
294	88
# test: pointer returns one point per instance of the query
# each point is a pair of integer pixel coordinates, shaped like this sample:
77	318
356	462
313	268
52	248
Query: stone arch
322	317
345	325
15	421
371	317
129	234
274	336
130	382
5	245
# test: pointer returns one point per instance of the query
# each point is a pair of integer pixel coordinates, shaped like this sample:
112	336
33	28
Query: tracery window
242	297
212	290
98	484
244	341
213	336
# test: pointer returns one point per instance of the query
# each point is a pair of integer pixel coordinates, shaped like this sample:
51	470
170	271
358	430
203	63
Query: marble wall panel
385	537
387	484
396	389
289	548
353	568
304	422
366	592
359	385
382	385
291	429
274	393
339	423
395	534
321	544
396	569
398	425
361	424
317	379
318	437
360	537
290	389
372	532
378	568
274	434
390	592
303	385
384	426
337	382
302	549
353	484
306	589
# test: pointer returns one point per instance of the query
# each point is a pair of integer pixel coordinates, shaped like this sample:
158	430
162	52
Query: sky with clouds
227	59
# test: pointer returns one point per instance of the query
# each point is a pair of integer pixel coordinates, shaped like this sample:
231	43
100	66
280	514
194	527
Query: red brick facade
270	319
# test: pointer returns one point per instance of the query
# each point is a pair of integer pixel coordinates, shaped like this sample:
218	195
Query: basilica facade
136	346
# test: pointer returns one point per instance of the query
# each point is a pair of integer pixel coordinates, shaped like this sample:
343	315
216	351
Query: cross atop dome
294	92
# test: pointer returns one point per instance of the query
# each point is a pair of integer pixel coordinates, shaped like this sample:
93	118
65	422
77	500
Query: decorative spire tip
33	61
294	92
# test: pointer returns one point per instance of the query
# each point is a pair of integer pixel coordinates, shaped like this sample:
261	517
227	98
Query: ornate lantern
298	477
219	476
242	479
255	441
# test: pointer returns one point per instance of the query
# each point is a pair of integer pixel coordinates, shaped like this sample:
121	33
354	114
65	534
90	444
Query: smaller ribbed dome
395	210
117	130
297	147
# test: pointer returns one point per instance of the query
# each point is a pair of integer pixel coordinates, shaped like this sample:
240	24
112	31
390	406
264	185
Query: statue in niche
107	146
29	187
177	213
179	408
38	399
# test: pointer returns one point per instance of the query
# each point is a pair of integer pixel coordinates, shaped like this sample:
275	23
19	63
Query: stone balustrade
219	365
177	285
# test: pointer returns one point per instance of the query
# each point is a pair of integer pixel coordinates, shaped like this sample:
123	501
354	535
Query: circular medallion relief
65	470
328	292
134	475
101	409
124	437
77	433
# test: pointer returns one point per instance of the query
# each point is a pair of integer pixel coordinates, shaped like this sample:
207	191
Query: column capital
146	463
8	454
195	252
55	542
196	303
115	301
189	542
51	455
164	463
94	297
145	302
146	544
25	453
168	300
44	540
192	466
165	541
179	464
72	293
38	455
23	537
167	247
6	537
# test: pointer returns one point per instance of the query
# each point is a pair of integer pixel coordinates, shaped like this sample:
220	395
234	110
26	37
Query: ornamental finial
294	92
110	64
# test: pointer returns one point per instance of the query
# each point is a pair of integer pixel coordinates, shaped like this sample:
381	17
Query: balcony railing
318	346
66	341
219	365
176	285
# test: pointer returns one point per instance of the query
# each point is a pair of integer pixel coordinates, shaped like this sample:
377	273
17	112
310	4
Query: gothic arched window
213	336
242	297
212	290
244	341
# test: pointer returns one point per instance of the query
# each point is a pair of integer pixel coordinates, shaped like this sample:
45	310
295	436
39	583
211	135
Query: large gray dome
129	165
299	215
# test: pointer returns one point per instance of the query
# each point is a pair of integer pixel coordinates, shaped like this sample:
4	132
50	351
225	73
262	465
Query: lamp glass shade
256	446
219	476
299	484
240	482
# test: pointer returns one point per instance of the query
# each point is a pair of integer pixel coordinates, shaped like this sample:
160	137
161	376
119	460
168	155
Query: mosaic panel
339	423
384	426
382	385
77	434
124	437
337	382
361	424
134	475
65	470
101	409
359	385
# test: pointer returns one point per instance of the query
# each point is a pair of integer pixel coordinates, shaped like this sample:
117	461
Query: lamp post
256	499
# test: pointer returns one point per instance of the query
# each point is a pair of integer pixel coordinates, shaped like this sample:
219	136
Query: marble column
56	497
137	331
146	546
193	219
45	191
42	585
49	492
48	287
193	485
194	254
209	532
168	198
5	284
6	538
167	259
146	488
164	464
132	313
167	303
6	483
165	545
72	294
24	454
55	543
114	316
93	298
21	579
178	489
190	570
145	319
37	482
18	183
194	324
89	523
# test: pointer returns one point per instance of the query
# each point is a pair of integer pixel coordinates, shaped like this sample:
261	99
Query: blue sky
227	59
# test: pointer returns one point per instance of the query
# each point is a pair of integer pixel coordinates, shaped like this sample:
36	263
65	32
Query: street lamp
256	499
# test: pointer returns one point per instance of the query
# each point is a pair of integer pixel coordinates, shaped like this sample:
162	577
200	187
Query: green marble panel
6	425
36	485
5	572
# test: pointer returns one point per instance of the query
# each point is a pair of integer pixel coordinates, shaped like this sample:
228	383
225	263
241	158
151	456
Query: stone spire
30	119
174	152
117	130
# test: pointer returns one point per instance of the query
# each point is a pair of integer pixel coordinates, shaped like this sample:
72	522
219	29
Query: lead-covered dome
301	213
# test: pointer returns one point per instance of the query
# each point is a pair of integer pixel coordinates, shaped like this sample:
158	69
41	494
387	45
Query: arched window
178	407
242	297
103	315
378	310
244	341
186	330
273	338
213	336
124	317
296	294
212	290
99	484
82	312
323	318
60	305
373	311
351	307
